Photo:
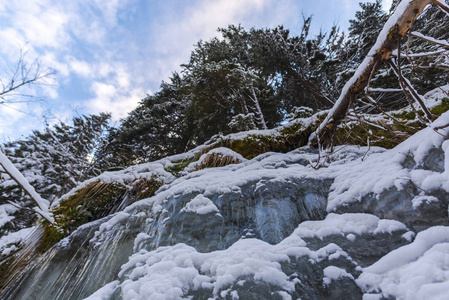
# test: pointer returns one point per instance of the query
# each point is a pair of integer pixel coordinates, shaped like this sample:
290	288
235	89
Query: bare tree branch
23	74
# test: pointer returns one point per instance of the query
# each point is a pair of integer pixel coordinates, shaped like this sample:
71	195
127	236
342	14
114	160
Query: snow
431	39
353	182
355	224
200	205
7	242
351	237
222	151
167	272
227	152
5	213
423	199
43	204
344	166
118	218
105	293
443	5
415	271
156	169
333	273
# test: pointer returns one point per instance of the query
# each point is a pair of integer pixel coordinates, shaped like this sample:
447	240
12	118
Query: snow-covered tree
383	52
52	162
155	129
12	83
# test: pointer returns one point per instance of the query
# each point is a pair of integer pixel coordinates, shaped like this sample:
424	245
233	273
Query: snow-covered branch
15	175
430	39
422	54
389	38
444	7
381	90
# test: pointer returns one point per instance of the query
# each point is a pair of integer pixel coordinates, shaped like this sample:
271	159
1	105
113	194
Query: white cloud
81	68
70	37
18	119
116	101
50	59
175	36
37	22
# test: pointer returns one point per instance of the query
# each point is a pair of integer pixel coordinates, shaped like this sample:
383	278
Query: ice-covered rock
273	227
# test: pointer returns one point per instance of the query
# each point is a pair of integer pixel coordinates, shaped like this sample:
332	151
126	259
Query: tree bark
388	40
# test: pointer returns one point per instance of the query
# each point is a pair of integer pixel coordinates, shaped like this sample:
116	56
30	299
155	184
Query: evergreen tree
364	29
54	161
155	129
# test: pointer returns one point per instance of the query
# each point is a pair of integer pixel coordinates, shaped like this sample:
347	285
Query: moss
253	145
405	115
379	133
179	166
288	139
440	109
92	202
96	200
293	129
53	233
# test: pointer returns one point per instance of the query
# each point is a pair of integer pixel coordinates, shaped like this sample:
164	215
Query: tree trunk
388	40
260	118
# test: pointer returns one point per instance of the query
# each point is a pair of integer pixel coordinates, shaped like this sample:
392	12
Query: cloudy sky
109	54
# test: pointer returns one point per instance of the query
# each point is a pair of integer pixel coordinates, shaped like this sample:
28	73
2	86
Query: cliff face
369	221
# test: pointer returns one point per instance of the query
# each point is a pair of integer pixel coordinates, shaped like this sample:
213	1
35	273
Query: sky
106	55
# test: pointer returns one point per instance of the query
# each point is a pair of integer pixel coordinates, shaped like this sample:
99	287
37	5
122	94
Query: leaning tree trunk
388	40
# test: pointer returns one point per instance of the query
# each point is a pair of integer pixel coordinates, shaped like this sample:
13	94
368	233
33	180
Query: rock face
269	228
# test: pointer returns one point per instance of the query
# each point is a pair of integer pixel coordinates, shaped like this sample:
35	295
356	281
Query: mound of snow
415	271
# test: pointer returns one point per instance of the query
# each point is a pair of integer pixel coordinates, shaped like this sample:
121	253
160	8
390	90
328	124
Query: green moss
92	202
440	109
96	200
53	233
405	115
291	130
436	111
288	139
179	166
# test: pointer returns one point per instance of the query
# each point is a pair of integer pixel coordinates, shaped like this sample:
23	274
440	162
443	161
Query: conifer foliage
55	160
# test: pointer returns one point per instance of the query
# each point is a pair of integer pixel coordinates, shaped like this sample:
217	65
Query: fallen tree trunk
388	40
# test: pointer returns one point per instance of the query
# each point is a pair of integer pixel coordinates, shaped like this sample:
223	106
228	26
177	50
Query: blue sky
109	54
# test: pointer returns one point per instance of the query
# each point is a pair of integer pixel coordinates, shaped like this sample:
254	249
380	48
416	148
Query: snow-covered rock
273	227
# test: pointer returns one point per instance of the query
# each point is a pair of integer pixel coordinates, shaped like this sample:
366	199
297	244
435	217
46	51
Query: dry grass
216	160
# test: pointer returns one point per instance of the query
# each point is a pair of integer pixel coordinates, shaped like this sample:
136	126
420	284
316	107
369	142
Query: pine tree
155	129
54	161
364	29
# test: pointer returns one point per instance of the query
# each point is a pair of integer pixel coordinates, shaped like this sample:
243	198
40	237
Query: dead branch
396	28
23	74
